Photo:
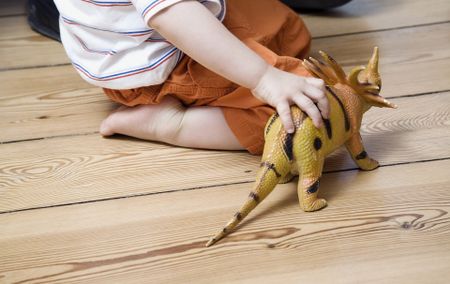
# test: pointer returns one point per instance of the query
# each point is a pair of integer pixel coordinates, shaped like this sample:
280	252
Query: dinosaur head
366	81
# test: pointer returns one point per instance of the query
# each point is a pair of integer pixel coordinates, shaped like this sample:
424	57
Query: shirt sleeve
149	8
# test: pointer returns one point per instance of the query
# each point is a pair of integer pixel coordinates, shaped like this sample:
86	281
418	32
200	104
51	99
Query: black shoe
43	17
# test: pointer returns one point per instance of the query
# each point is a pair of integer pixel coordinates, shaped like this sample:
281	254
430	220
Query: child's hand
281	89
236	62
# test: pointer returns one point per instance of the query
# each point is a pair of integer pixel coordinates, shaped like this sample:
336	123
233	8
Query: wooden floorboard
53	102
26	48
81	168
77	208
407	65
386	226
371	15
20	47
56	97
17	28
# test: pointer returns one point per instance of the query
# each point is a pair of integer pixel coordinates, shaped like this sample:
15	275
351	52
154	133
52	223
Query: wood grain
81	168
407	65
369	15
46	102
56	97
390	225
358	16
82	209
20	47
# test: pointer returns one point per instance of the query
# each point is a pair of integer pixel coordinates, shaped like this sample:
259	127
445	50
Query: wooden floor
75	207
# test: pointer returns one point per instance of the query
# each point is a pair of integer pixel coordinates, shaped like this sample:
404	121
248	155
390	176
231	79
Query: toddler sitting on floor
201	74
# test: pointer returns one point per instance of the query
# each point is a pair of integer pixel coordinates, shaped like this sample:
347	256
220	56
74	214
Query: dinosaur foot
315	205
369	164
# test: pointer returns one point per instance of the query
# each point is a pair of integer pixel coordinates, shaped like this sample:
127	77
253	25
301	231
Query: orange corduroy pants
269	28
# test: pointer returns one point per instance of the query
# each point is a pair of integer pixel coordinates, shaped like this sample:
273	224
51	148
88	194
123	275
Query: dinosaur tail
237	218
265	183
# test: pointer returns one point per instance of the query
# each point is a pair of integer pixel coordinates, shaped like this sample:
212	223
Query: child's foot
150	122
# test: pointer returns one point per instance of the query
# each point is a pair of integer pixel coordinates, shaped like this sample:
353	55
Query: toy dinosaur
303	152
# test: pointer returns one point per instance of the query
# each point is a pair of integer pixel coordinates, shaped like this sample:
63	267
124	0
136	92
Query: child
240	60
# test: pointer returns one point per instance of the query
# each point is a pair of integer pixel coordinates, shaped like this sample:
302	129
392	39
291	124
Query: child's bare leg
170	122
206	127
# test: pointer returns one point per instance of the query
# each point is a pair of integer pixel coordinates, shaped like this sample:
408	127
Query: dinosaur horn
379	101
371	83
372	66
371	74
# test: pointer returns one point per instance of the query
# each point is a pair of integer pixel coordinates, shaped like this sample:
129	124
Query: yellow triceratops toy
303	152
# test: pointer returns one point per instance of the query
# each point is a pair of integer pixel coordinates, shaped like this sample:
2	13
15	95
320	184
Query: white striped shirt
111	45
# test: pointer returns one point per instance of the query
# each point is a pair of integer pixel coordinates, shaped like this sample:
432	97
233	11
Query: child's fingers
316	82
284	111
319	96
307	105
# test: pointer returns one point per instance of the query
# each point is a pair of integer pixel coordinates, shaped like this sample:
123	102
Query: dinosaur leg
308	185
277	155
356	149
274	167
